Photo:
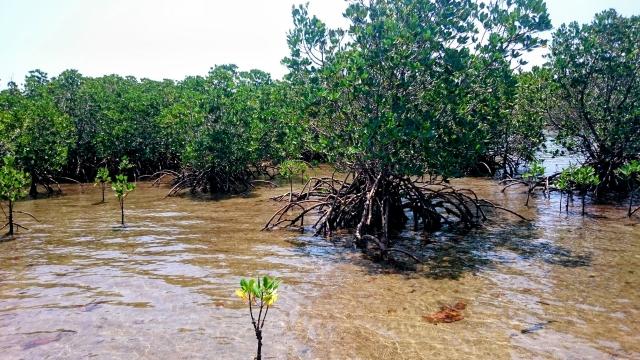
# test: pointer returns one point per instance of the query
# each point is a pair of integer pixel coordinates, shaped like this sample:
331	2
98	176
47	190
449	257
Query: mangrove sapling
12	188
631	173
122	187
532	179
262	294
291	168
563	185
585	179
579	179
102	179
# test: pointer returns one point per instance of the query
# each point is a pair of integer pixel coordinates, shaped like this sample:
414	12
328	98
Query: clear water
77	286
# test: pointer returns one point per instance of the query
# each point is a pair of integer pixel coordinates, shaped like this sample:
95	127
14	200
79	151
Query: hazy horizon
170	40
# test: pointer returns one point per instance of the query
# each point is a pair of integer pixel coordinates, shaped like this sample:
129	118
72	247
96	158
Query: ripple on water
560	287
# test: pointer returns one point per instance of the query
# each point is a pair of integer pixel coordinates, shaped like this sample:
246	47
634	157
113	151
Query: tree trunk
10	218
583	197
505	155
103	188
561	202
122	212
259	336
291	189
33	189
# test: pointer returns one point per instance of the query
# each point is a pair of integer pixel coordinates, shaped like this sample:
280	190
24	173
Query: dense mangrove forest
411	188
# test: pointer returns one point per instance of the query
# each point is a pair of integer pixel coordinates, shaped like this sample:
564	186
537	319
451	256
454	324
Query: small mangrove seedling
631	173
122	187
533	177
291	168
260	294
12	187
585	179
102	179
125	164
563	184
581	179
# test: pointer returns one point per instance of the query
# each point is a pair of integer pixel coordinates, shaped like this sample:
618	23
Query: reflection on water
555	158
77	286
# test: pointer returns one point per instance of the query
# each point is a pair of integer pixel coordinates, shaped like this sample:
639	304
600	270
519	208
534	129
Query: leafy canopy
33	129
121	186
290	168
535	171
401	88
595	69
582	179
102	177
630	170
12	181
264	290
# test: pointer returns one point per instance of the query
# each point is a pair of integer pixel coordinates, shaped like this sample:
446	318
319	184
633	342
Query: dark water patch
51	336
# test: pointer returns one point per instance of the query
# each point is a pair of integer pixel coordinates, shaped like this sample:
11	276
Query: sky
169	39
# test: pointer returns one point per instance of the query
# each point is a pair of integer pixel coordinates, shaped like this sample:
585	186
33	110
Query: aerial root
215	181
14	224
28	214
487	203
73	181
158	176
265	182
545	183
373	205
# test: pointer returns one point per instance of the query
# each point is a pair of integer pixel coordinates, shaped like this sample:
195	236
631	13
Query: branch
26	213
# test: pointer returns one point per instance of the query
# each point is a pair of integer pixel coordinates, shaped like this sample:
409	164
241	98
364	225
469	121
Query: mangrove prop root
375	204
73	181
28	214
14	224
265	182
158	176
217	181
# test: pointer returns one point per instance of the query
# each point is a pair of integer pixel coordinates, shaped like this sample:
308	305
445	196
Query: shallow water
77	286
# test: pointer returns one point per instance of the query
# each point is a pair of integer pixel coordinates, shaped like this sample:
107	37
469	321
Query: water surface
77	286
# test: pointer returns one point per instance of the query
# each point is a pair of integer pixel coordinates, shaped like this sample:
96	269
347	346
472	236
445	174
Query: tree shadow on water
450	256
447	255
